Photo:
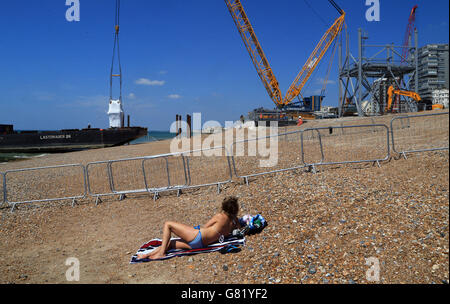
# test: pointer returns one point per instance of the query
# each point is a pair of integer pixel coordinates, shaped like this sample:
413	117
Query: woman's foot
141	256
157	256
154	255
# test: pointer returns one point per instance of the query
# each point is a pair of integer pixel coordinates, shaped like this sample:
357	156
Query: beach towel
229	244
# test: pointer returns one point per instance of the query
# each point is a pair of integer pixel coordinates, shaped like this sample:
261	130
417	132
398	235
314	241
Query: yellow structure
262	64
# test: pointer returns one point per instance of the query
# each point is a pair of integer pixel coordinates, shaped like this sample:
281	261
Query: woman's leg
185	232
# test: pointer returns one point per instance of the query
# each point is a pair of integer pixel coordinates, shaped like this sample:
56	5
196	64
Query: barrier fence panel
345	144
127	176
208	167
420	133
311	147
165	173
2	188
44	184
98	177
266	154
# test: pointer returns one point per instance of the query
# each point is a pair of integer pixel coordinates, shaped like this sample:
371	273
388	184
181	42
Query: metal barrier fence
256	156
159	173
2	188
132	175
165	173
44	184
101	182
266	155
218	162
419	133
345	145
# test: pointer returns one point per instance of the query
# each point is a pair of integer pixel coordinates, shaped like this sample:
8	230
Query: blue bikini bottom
197	242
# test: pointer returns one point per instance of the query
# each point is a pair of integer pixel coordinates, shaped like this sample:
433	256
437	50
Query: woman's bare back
220	224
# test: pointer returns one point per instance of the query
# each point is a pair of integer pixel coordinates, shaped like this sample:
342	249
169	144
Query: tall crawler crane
409	30
262	64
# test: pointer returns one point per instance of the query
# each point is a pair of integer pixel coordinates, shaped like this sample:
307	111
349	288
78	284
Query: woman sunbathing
219	226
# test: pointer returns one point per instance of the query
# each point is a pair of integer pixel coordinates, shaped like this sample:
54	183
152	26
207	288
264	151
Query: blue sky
178	57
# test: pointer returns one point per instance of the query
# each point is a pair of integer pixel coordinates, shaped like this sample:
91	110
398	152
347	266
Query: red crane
409	29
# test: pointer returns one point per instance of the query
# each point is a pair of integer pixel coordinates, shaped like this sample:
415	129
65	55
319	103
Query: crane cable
329	69
116	46
316	13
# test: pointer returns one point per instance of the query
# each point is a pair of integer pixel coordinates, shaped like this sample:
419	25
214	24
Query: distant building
441	97
433	70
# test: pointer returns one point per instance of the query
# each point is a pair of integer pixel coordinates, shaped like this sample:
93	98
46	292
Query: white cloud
44	96
137	106
174	96
317	92
148	82
131	96
320	80
93	101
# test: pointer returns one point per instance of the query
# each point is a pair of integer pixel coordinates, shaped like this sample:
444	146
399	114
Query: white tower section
115	113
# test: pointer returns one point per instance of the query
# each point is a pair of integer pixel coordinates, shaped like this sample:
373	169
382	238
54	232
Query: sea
151	136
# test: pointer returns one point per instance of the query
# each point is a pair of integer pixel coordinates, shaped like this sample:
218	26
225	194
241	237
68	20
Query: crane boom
255	50
409	29
262	64
312	62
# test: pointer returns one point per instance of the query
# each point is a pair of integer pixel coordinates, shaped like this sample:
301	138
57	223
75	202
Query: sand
323	227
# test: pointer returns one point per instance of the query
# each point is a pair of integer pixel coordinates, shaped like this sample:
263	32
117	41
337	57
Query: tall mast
115	112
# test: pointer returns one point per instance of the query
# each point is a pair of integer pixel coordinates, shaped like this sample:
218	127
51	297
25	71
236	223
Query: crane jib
261	63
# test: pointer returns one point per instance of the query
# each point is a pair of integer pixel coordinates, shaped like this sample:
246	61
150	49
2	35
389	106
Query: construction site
352	194
380	79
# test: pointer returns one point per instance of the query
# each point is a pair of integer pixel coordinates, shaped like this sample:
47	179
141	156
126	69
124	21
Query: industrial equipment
115	111
262	65
409	30
392	92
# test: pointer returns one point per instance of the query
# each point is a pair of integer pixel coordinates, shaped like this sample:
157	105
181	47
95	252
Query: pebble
312	270
324	197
